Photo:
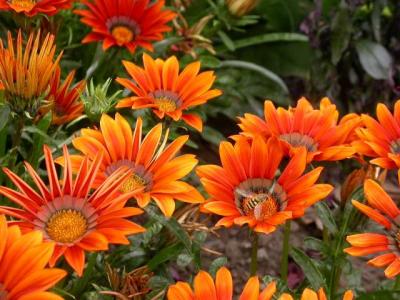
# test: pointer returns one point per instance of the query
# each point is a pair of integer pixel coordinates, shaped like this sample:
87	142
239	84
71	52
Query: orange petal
251	290
204	287
224	285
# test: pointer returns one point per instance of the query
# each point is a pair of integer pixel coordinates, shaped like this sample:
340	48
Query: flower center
66	226
123	29
122	34
134	182
165	104
166	101
296	139
22	5
140	178
259	197
395	146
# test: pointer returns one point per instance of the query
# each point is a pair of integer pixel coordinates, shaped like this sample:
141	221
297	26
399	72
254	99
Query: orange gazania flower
33	7
384	211
245	191
126	23
309	294
222	289
64	100
68	214
381	139
155	168
303	126
23	258
26	71
160	86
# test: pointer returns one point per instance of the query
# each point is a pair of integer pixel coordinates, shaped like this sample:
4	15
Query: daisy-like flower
380	139
167	91
33	7
205	288
384	211
64	100
23	260
26	71
155	168
303	126
309	294
68	214
125	23
245	190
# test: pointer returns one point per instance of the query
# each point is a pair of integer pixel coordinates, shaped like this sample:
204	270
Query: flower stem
397	283
254	252
285	251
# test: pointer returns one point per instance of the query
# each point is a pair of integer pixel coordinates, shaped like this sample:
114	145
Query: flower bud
240	8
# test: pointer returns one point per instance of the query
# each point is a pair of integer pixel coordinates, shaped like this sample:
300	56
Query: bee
250	201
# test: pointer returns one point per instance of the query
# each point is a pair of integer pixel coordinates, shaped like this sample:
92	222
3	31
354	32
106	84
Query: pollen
122	34
66	226
266	209
134	182
165	104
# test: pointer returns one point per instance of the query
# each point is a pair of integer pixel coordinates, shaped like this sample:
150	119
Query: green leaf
257	68
173	226
309	268
326	217
379	295
209	61
164	255
217	264
313	243
270	38
184	260
375	59
39	136
4	115
226	40
341	33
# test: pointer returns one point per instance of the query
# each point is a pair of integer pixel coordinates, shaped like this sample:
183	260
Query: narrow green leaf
166	254
39	136
226	40
270	38
325	214
173	226
309	268
4	115
341	33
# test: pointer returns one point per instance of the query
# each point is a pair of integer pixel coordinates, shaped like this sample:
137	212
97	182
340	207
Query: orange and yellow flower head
157	171
167	91
68	213
33	7
205	287
26	71
125	23
64	100
221	289
23	260
247	190
386	244
380	139
317	130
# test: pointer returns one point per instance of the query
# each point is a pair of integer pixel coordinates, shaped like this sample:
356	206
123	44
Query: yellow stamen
165	104
122	34
66	226
266	209
133	183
